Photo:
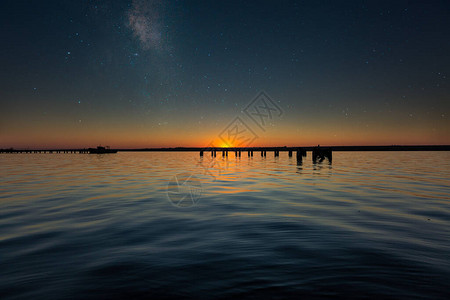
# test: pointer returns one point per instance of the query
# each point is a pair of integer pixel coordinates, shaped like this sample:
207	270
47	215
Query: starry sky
154	73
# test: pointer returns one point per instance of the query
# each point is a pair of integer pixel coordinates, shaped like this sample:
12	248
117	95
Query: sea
174	225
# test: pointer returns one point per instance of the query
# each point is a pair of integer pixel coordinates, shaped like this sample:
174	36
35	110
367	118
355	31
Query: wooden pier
45	151
319	154
98	150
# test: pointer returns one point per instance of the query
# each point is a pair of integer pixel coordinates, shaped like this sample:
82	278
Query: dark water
104	226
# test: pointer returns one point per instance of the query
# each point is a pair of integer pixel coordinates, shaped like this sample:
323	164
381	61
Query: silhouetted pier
318	153
45	151
98	150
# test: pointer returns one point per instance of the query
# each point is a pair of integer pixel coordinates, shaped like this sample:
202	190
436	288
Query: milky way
144	20
160	73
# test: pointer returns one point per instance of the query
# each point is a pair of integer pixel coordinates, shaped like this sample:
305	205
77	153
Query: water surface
104	226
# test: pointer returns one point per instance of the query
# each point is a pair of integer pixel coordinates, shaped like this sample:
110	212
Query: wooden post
299	155
201	153
290	153
329	155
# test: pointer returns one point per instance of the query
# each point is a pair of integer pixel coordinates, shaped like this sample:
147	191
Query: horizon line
232	148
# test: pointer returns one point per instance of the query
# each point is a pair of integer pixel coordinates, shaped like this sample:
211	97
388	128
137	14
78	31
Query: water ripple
102	226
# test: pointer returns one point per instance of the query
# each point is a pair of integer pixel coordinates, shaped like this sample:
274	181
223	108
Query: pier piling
319	154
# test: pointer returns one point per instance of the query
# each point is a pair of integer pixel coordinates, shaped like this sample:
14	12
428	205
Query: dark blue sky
158	73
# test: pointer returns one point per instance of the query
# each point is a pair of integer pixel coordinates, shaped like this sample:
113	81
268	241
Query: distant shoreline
194	149
309	148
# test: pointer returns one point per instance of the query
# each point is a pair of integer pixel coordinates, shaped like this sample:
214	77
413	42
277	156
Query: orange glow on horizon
292	134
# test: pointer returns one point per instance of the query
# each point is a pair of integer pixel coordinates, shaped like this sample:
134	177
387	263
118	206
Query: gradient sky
176	73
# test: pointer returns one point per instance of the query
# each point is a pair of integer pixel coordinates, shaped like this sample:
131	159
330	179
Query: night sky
177	73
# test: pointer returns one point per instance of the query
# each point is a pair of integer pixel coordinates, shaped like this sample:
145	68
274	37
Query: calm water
104	226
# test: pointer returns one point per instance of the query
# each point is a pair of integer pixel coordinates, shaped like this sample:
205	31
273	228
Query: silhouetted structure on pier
101	150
